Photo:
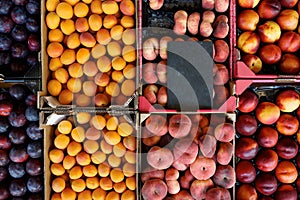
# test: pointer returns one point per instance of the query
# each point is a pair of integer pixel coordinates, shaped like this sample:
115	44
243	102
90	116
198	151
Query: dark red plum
17	188
6	24
31	100
32	25
19	50
19	33
34	43
5	107
34	132
35	184
4	193
34	167
33	7
17	136
18	15
4	58
3	173
18	91
5	6
5	42
16	170
18	154
34	149
4	159
4	142
4	125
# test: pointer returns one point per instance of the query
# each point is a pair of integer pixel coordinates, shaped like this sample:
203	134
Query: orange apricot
98	122
57	169
112	195
113	89
64	10
55	35
130	142
119	187
74	85
78	134
125	129
113	49
103	36
98	157
87	1
78	185
109	21
75	172
64	127
92	182
90	68
68	57
67	26
106	183
127	7
61	141
85	195
83	117
95	22
74	148
127	21
61	74
82	55
75	70
129	71
117	76
52	20
81	9
119	149
114	161
89	88
55	196
83	158
130	156
68	194
118	63
116	32
101	100
72	2
90	171
81	25
128	195
131	183
56	155
128	87
54	49
128	36
102	79
104	64
129	170
54	64
73	41
90	146
54	87
98	50
112	123
92	133
65	97
69	162
129	53
99	194
51	5
110	7
83	100
112	137
103	169
96	7
105	147
87	39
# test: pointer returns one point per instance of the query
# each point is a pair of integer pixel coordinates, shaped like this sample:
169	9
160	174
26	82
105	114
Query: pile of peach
91	45
270	34
95	159
267	146
188	157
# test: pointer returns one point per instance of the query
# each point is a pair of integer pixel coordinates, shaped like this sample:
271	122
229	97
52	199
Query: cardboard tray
132	101
228	117
164	18
240	69
48	145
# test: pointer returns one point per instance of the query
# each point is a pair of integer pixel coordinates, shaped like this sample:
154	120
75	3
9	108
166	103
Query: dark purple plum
5	107
17	136
19	33
19	2
4	124
4	194
5	6
4	159
17	188
35	197
19	50
34	43
18	15
5	42
16	170
35	184
18	67
33	7
17	120
6	24
34	149
4	58
32	59
3	173
18	91
34	132
4	142
32	114
32	25
34	167
18	154
31	100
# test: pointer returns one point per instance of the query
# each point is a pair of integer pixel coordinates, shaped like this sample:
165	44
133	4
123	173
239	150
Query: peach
248	42
245	171
247	20
179	126
180	19
150	48
285	192
269	32
224	176
217	194
269	9
248	101
154	188
221	76
150	93
253	62
246	191
246	148
266	183
266	160
221	27
208	145
224	153
203	168
127	7
248	4
286	172
288	19
185	151
199	188
287	124
289	42
222	51
267	137
288	100
160	158
246	125
193	23
287	148
157	124
288	3
267	113
289	64
224	132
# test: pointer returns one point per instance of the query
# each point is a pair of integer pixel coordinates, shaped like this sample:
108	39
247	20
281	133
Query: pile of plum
19	34
21	164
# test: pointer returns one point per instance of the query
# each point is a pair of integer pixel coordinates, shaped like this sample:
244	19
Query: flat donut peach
208	145
203	168
218	194
224	176
157	124
199	188
154	189
185	151
224	132
179	126
160	158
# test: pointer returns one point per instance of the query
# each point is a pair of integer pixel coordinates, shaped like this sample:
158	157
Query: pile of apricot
91	49
93	157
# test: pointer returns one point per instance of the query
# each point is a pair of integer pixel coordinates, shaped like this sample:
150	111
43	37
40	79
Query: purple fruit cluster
21	149
19	34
